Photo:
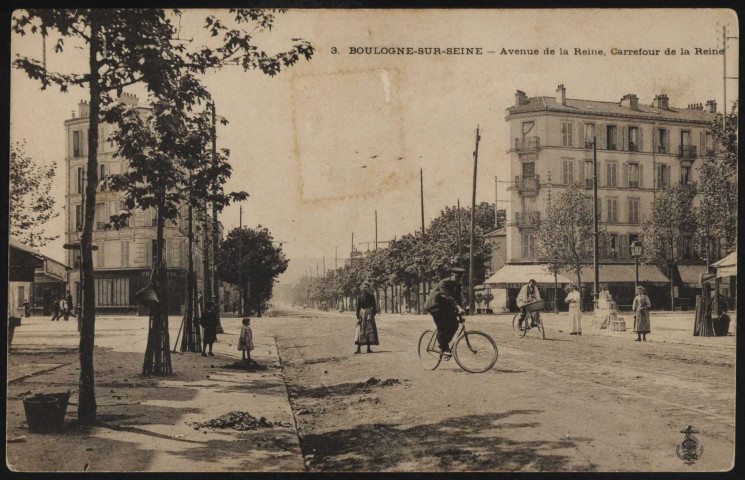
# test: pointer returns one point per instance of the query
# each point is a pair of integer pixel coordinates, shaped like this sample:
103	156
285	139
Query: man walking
56	309
444	304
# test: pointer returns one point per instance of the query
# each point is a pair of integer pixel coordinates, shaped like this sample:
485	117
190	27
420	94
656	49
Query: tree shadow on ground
468	443
340	389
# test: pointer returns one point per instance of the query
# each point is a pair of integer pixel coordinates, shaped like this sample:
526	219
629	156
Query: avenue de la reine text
548	51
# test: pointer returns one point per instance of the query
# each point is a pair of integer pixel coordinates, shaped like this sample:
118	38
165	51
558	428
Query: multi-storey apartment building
641	149
124	258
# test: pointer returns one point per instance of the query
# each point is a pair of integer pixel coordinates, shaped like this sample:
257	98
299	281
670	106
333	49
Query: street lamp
636	252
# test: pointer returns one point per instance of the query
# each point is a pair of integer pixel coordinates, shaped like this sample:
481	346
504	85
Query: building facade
641	149
124	258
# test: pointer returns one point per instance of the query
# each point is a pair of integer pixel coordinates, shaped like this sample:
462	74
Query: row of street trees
166	148
408	266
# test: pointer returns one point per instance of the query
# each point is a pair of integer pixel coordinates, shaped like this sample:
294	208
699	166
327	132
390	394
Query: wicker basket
536	306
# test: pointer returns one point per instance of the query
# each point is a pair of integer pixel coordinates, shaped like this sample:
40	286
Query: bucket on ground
45	412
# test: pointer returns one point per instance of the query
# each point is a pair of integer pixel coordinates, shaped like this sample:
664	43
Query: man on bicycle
444	304
528	294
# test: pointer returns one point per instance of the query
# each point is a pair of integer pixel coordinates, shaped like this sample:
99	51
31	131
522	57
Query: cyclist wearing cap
444	304
528	294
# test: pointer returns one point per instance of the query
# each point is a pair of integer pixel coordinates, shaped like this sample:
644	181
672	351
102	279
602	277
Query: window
686	248
125	253
101	255
77	144
168	246
661	141
527	245
122	209
79	218
633	175
153	217
632	238
612	210
685	137
154	251
612	137
81	176
633	139
663	176
101	217
589	173
21	295
527	127
708	145
633	210
566	134
611	174
612	245
104	170
567	172
112	292
589	134
685	175
528	169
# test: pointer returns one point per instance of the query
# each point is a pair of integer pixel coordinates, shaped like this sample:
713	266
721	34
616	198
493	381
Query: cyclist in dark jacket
444	304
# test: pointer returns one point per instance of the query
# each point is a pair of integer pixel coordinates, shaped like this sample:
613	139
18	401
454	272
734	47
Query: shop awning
22	261
727	267
515	276
691	274
625	274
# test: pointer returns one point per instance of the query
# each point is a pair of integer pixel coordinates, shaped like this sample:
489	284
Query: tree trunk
672	288
158	352
86	394
556	292
207	284
190	341
579	287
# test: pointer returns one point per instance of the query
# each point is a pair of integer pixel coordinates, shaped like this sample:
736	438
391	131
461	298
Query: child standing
246	341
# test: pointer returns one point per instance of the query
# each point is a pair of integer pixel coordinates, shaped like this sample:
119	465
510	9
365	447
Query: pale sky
299	141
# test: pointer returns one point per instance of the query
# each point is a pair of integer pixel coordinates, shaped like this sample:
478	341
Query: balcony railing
527	185
527	144
687	152
527	219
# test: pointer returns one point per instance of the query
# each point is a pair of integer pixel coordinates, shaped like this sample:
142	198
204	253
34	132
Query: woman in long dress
575	315
367	330
641	308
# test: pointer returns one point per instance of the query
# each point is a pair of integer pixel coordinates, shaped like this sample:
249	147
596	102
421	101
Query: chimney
630	101
561	94
711	106
695	106
521	98
129	99
83	109
73	113
661	101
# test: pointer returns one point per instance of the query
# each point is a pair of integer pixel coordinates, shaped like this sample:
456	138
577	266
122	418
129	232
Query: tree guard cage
192	339
158	353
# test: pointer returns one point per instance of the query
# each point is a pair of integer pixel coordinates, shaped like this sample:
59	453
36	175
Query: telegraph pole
336	258
324	266
595	265
376	230
216	232
421	196
460	250
240	260
471	299
496	209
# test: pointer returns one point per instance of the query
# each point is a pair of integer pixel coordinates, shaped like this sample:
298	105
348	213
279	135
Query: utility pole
421	197
724	77
324	266
460	250
216	232
376	230
471	299
595	265
496	209
240	260
336	258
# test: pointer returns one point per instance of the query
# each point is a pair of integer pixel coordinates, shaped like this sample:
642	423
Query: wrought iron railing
527	183
527	219
687	151
527	143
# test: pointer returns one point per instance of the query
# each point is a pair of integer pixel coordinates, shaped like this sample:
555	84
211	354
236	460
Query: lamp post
636	252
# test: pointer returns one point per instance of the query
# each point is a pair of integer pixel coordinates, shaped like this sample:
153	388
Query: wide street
599	402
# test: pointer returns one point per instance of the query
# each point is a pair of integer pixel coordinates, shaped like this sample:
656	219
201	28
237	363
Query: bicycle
532	317
473	351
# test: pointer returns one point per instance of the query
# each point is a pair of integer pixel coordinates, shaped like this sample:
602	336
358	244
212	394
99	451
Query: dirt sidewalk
149	423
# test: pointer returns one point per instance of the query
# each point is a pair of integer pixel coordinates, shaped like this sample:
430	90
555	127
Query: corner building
641	149
124	259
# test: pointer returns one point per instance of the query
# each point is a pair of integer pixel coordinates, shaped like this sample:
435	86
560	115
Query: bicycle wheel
519	332
429	354
475	352
540	327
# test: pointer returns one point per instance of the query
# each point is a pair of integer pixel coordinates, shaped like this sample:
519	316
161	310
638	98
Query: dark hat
457	270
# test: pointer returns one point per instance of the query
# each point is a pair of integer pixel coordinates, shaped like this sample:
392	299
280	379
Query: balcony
527	219
527	144
527	185
687	152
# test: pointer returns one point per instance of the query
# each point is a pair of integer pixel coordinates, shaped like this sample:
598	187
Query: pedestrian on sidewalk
574	300
69	311
209	323
56	309
641	308
367	330
246	341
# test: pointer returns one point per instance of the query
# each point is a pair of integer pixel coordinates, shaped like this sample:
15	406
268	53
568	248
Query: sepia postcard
410	240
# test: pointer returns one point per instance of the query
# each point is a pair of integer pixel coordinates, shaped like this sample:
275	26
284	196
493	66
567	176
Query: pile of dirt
372	382
238	421
252	366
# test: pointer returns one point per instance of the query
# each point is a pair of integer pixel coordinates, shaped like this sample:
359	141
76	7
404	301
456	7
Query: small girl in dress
246	341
